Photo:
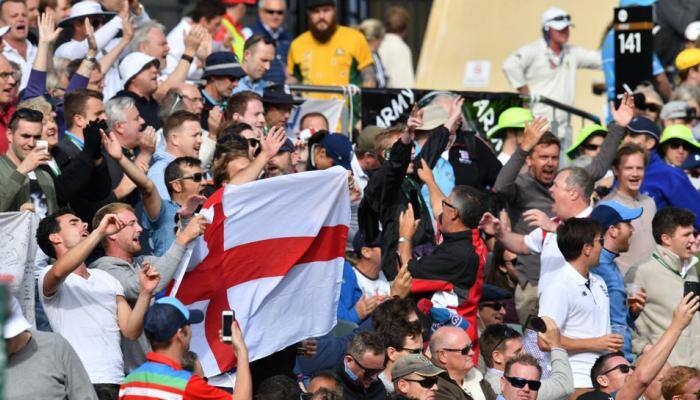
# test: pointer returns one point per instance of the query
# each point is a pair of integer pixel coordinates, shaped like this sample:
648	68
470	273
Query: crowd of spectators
472	273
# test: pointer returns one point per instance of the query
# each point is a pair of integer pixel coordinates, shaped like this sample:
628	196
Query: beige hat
433	116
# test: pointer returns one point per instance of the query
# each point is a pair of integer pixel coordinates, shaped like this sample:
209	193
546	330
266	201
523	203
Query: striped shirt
163	378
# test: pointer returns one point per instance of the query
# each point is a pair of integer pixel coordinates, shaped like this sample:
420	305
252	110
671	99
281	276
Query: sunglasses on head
426	383
561	18
464	351
624	368
520	383
255	143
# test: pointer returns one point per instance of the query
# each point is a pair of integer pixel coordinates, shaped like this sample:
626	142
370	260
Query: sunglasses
650	107
446	204
255	143
561	18
411	351
369	372
196	177
464	351
624	368
426	383
496	305
520	383
273	12
590	147
676	144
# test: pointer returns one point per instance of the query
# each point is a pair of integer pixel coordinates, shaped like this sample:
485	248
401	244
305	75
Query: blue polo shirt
161	231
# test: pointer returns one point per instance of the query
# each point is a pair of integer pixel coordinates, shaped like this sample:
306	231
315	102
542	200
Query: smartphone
42	145
691	287
535	323
227	318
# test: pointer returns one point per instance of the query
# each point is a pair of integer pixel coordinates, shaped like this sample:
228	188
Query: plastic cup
618	329
632	289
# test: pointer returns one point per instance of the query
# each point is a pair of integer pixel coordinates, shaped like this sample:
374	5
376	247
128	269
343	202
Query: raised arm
112	56
505	182
244	380
436	195
192	41
600	165
270	145
512	241
131	321
650	363
76	256
151	198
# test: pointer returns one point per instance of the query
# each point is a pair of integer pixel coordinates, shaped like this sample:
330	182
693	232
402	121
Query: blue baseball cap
360	241
692	162
287	147
611	212
166	316
223	63
339	148
644	126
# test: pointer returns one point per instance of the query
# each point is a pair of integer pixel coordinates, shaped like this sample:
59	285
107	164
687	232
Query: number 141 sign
634	47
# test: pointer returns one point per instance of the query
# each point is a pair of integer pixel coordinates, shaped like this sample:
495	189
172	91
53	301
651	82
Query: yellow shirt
337	62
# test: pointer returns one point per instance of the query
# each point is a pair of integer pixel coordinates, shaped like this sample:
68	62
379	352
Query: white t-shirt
545	244
581	310
84	311
373	287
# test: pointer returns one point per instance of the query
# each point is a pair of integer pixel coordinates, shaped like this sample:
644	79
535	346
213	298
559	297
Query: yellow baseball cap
687	58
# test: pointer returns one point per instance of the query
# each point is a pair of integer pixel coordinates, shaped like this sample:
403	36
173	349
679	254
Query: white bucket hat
84	9
15	323
132	64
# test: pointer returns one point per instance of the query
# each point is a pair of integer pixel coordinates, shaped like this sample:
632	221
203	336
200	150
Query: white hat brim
64	23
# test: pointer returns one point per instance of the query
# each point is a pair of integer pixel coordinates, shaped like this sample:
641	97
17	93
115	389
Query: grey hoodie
134	351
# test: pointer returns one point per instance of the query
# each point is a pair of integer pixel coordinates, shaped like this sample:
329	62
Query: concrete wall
464	30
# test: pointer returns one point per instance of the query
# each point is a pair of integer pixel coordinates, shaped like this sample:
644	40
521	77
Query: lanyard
663	263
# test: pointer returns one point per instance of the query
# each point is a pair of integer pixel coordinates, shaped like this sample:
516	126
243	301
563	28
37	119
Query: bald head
446	337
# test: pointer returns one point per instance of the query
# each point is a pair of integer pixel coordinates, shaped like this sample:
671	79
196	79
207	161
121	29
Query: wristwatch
403	239
92	59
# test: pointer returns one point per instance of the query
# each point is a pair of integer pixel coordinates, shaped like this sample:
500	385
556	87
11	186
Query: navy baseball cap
279	95
339	148
223	63
494	293
359	241
166	316
692	162
644	126
611	212
287	147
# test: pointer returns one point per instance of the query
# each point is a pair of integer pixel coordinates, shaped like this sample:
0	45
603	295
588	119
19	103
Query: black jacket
148	108
390	190
354	391
473	161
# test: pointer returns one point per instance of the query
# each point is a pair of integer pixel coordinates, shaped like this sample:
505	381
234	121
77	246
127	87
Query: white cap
132	64
85	9
692	31
555	18
15	323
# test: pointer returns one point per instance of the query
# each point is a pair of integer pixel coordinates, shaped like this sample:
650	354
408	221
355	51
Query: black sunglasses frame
520	383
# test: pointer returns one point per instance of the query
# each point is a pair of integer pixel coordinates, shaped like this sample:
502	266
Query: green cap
514	117
680	132
414	363
581	137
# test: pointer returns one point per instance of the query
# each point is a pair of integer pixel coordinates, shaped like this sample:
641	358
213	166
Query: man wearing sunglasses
521	380
452	350
492	306
547	67
402	340
676	144
359	371
270	23
415	378
613	376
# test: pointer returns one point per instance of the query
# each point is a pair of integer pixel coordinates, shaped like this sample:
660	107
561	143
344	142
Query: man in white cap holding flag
547	66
